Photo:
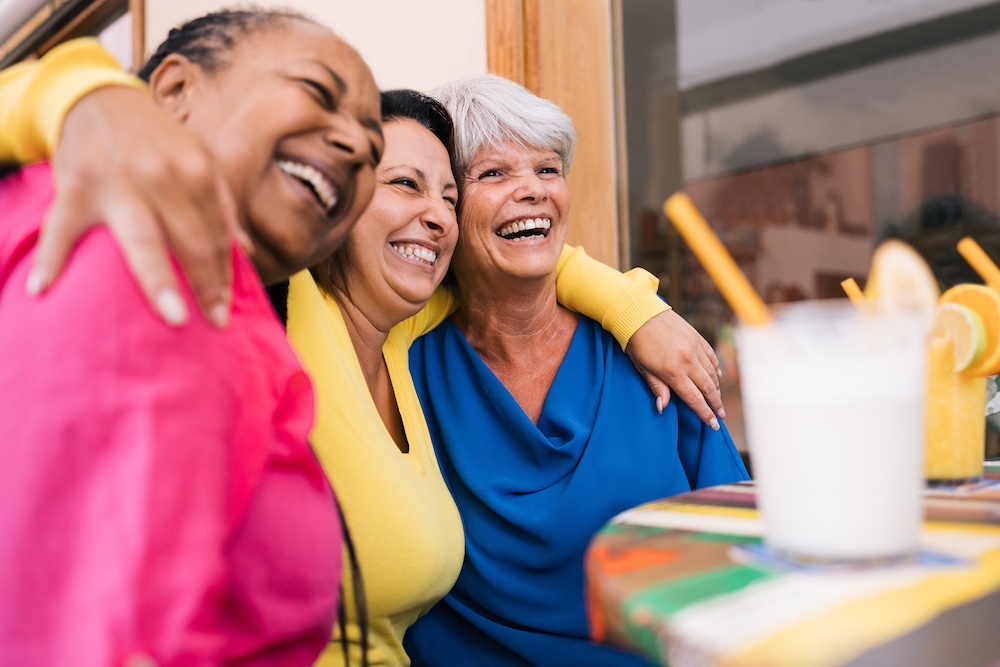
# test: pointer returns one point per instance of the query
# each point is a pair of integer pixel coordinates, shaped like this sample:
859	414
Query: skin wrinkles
503	185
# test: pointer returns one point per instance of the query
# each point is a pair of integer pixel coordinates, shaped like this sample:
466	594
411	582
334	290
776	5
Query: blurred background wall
407	44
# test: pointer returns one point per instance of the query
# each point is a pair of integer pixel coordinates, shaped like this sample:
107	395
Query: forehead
406	140
293	41
408	143
513	152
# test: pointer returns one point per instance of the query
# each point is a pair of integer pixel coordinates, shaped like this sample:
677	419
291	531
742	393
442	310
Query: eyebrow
337	81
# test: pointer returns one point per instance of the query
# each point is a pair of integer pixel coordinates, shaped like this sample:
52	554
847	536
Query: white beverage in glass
834	406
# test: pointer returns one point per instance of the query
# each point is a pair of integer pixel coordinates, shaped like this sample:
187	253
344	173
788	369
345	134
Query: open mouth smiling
529	228
324	191
415	252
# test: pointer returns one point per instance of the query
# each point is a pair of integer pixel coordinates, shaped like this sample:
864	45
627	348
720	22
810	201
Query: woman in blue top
542	426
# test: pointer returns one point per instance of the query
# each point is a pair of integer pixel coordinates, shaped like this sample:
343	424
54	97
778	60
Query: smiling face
399	251
515	204
293	118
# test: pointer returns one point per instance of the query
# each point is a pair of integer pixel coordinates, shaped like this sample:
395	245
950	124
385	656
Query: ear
174	84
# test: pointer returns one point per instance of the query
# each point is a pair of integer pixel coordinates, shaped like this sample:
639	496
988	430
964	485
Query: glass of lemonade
956	425
834	402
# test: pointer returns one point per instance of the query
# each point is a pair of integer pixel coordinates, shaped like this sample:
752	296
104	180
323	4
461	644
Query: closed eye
322	94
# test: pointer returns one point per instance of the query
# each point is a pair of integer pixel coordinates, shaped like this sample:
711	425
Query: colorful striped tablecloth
686	581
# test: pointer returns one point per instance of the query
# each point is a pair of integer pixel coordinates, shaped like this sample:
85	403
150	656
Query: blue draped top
531	497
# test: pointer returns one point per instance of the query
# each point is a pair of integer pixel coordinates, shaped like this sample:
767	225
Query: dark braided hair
204	41
331	273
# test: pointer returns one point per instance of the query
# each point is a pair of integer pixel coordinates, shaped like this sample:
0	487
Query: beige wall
407	43
424	43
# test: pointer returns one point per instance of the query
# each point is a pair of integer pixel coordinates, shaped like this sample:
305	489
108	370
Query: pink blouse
157	492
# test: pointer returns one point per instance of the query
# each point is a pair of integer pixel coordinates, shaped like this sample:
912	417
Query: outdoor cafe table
686	581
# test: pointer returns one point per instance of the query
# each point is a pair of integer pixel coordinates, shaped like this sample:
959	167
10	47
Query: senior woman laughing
542	426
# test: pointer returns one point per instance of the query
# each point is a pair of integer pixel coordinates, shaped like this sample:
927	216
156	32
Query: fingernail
218	314
721	413
37	281
659	405
171	307
719	371
714	424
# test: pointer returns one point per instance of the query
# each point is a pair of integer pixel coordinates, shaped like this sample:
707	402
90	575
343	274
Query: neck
511	320
520	333
367	335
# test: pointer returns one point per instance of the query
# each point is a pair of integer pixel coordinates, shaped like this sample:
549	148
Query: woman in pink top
159	496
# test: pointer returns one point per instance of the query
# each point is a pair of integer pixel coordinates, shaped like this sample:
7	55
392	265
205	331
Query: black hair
331	273
205	40
403	103
934	229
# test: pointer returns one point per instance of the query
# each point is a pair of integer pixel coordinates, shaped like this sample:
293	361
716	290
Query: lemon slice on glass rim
965	329
900	279
985	303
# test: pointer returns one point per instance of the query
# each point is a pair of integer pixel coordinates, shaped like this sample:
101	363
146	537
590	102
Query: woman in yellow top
370	433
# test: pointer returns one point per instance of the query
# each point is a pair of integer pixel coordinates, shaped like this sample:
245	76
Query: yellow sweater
404	524
35	96
406	528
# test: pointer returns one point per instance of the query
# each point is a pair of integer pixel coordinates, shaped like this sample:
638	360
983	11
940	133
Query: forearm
621	302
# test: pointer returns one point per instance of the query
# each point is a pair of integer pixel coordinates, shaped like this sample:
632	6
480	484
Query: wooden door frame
59	20
562	50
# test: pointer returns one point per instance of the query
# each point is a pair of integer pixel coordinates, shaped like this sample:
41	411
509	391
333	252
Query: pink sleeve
120	439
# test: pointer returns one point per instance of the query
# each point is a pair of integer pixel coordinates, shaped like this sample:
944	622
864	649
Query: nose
439	218
349	141
531	188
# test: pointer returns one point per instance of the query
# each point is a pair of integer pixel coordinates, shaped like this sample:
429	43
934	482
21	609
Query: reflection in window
805	132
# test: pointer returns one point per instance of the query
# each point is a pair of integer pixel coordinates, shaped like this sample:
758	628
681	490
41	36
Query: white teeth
524	225
416	252
324	189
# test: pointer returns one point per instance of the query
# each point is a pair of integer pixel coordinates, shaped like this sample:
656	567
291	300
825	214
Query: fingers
138	234
711	384
695	398
713	359
713	397
660	391
196	221
55	240
124	161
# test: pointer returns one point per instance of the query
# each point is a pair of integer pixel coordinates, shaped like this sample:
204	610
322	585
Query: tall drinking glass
834	402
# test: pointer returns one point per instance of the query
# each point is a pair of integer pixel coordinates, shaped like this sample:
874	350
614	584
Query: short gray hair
490	110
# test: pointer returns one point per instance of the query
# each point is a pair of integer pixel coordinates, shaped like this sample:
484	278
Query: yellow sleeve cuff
621	302
40	95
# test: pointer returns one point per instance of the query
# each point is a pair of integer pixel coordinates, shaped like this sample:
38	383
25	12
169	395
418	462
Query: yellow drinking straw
853	292
720	265
980	261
